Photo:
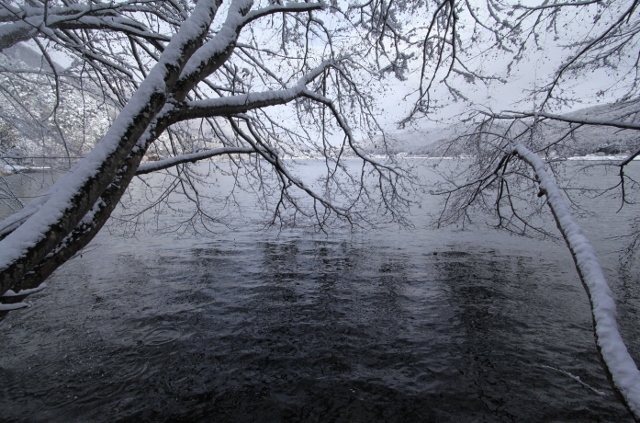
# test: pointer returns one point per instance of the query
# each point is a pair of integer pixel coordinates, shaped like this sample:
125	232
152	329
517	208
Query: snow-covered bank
587	158
8	169
597	157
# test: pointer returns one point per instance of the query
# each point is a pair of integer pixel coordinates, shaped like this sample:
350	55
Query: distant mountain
39	120
427	141
30	58
579	141
601	139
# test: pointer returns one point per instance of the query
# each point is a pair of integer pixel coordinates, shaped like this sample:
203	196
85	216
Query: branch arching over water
619	365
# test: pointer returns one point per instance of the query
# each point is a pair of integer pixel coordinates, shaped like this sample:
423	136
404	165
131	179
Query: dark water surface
395	325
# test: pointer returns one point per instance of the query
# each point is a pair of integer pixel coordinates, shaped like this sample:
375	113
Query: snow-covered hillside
428	141
578	140
44	117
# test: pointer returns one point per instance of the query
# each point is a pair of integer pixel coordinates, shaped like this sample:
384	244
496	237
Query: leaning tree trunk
57	229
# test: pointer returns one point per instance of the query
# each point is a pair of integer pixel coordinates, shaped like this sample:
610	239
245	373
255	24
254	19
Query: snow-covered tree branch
190	83
620	367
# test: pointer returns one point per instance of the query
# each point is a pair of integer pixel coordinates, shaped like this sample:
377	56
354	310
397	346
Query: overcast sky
533	71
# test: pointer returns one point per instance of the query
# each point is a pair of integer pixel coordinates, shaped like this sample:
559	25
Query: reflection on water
393	326
305	330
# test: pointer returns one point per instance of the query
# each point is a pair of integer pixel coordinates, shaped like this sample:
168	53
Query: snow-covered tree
255	81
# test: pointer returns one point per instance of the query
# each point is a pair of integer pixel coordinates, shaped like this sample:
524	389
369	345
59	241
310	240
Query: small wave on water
306	330
394	325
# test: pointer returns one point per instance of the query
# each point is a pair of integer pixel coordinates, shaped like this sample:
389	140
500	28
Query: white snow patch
8	169
14	306
12	293
221	41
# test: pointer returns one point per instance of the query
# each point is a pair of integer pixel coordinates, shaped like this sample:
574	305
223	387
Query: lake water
392	325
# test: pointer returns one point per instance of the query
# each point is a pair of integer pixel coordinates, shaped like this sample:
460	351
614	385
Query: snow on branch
191	158
621	368
120	24
287	7
568	119
25	292
26	21
223	106
212	54
208	57
75	193
553	5
14	306
12	34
